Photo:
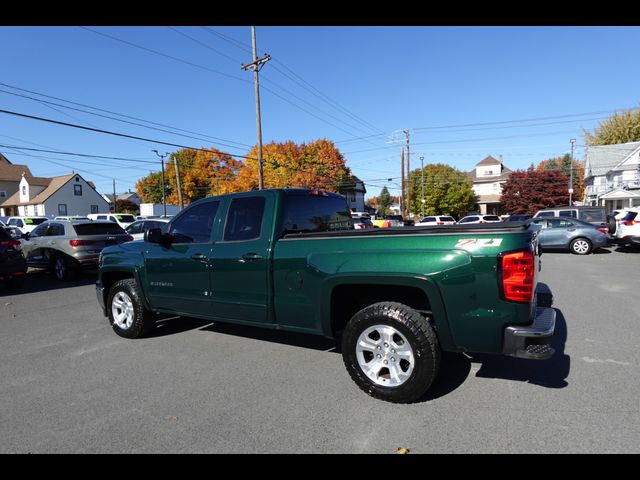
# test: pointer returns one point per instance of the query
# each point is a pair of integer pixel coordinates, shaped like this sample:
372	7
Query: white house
612	175
354	191
48	197
488	177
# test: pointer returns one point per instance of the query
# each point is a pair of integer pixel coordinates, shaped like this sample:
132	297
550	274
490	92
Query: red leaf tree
527	191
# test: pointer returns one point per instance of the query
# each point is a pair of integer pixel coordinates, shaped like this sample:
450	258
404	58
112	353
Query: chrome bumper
532	341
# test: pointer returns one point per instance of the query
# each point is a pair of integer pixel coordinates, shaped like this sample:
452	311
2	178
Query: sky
462	93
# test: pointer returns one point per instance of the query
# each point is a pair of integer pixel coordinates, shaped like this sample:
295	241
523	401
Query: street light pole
164	203
422	172
573	143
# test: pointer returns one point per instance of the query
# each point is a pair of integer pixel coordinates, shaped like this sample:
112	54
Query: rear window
592	215
492	217
568	213
630	216
98	229
312	213
447	219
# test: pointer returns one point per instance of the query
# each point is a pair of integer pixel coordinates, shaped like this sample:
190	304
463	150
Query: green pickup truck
290	259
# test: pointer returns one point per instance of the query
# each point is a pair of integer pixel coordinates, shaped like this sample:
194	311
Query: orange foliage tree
318	164
202	173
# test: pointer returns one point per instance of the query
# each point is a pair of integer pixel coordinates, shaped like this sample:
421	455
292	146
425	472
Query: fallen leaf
402	451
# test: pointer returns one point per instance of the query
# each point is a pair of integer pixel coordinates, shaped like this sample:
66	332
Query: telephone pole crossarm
256	64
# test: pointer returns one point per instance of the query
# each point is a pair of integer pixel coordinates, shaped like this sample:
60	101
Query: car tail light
517	276
128	238
80	243
15	244
630	223
603	230
439	223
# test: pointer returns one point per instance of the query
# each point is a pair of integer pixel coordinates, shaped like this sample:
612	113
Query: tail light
128	238
79	243
517	276
439	223
630	223
603	230
15	244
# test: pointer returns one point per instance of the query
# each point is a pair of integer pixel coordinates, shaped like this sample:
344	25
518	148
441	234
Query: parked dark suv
67	246
12	264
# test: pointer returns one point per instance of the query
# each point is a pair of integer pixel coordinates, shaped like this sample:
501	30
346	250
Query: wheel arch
344	296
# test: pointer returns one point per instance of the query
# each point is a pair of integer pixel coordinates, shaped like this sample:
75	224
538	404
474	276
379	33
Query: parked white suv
480	219
26	224
122	219
436	220
628	227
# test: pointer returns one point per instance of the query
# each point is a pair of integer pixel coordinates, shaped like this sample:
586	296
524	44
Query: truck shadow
41	280
551	373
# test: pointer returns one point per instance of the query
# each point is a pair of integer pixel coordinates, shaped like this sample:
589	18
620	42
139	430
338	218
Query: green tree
620	128
447	190
564	165
385	200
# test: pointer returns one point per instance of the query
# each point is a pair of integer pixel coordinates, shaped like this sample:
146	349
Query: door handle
200	257
249	257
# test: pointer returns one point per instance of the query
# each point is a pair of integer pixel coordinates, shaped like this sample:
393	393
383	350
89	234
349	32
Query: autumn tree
527	191
202	173
318	164
127	206
447	190
564	164
620	128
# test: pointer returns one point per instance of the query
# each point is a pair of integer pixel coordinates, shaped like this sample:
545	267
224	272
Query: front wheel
391	352
127	314
580	246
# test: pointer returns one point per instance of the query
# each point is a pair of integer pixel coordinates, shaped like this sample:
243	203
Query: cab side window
55	230
195	224
244	220
39	231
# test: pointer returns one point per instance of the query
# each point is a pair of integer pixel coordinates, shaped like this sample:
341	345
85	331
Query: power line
123	115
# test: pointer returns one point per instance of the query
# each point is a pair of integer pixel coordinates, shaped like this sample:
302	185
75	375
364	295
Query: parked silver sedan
570	234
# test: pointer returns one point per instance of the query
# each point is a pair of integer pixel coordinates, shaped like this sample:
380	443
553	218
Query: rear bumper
532	341
12	268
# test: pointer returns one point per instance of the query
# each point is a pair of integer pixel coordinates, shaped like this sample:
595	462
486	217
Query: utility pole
573	143
406	132
402	204
175	163
422	181
114	195
164	203
255	65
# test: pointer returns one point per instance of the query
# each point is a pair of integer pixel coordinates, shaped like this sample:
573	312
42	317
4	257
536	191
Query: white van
25	224
122	219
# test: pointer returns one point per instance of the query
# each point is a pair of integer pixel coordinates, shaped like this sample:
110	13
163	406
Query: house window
77	190
351	196
24	190
3	194
62	209
94	208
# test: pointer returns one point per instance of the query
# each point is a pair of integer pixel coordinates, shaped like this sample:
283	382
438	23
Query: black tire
612	224
581	246
421	339
143	321
65	268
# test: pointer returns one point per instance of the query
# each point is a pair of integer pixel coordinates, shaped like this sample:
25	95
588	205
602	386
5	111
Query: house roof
602	158
39	181
489	160
12	173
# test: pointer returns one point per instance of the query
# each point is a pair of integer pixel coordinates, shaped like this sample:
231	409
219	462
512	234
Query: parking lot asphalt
68	384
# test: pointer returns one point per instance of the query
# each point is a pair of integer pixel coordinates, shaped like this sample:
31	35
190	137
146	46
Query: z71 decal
479	242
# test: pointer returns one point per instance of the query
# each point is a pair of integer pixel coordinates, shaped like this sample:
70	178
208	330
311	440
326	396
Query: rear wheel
611	224
391	352
64	268
580	246
126	312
